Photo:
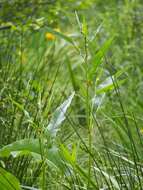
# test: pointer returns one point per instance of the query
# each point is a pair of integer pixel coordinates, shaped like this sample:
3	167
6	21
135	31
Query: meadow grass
71	104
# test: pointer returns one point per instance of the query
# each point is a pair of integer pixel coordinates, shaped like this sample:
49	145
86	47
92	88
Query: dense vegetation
71	94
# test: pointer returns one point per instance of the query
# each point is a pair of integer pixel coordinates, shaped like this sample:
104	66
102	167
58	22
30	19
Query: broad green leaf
107	85
8	181
97	59
59	116
30	146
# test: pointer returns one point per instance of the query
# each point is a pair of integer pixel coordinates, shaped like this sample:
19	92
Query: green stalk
43	162
88	109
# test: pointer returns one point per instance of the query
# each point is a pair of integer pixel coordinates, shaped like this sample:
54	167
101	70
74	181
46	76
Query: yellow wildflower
49	36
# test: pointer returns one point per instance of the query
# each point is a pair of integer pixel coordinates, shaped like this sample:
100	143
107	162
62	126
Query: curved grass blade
59	116
109	177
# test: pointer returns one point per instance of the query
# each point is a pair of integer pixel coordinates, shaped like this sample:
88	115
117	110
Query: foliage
70	97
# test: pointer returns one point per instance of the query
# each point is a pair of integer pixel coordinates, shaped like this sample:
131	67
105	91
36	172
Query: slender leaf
8	181
59	116
109	177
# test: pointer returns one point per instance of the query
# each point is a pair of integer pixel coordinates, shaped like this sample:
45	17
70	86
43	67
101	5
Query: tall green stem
88	108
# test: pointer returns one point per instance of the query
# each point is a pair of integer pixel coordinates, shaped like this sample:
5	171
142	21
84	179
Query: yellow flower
49	36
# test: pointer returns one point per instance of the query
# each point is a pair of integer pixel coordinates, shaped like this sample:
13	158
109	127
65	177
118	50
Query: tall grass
67	120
